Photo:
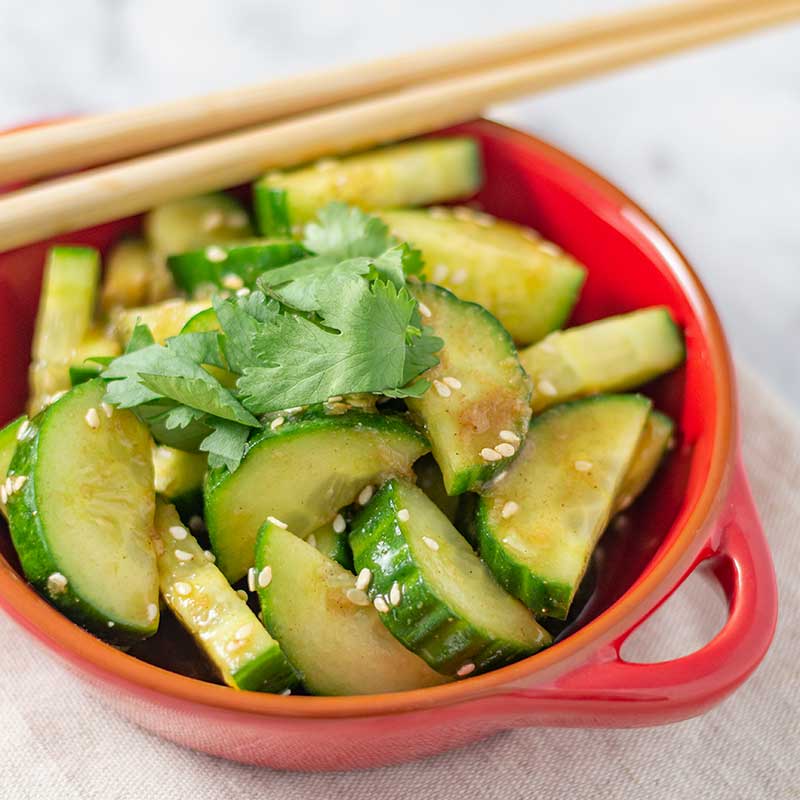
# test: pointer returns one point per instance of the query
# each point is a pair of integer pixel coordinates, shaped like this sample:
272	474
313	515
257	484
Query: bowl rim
91	654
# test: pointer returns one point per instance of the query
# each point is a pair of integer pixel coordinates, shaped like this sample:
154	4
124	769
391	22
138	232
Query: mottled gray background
708	142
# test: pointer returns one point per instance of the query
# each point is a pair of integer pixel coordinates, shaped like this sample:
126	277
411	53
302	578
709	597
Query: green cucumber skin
314	420
271	205
248	261
544	598
80	373
30	543
270	672
422	622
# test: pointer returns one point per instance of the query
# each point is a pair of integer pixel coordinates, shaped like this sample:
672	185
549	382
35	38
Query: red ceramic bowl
698	509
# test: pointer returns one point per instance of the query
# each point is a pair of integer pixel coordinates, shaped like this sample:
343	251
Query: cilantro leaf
225	445
303	363
346	232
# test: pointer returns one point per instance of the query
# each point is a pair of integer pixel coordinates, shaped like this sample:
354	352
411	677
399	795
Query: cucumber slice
164	319
178	477
221	623
610	355
302	473
480	398
412	174
129	276
65	313
436	595
653	445
333	543
528	284
193	223
336	646
8	444
537	527
232	266
81	514
430	480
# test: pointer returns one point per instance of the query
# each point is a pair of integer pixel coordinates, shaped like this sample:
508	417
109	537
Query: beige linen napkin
57	742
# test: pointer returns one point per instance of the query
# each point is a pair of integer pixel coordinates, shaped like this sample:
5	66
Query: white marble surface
708	142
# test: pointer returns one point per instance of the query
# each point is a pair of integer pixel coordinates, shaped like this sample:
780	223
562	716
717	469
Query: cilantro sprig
341	321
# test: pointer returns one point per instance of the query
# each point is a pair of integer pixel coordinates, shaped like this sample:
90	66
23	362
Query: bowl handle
612	692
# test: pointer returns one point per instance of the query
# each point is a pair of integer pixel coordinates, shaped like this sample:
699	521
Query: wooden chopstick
38	152
108	193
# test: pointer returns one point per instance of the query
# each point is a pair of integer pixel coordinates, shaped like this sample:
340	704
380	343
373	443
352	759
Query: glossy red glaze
699	508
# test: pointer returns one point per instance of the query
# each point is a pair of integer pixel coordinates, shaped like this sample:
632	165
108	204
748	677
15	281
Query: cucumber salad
343	436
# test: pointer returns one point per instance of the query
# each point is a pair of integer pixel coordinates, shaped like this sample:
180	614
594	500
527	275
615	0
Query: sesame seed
8	486
18	482
183	588
152	612
276	423
463	213
325	164
583	466
440	272
459	276
311	539
242	594
243	292
466	669
438	212
277	522
509	509
286	692
178	532
216	254
364	578
3	494
509	436
505	449
209	556
395	596
56	583
213	219
484	220
23	430
365	495
110	624
251	579
488	454
92	418
453	383
403	515
337	398
550	249
244	631
339	524
358	597
236	219
108	410
232	281
531	234
196	523
57	396
380	604
442	389
294	409
547	388
500	475
182	555
431	543
232	645
265	577
424	310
